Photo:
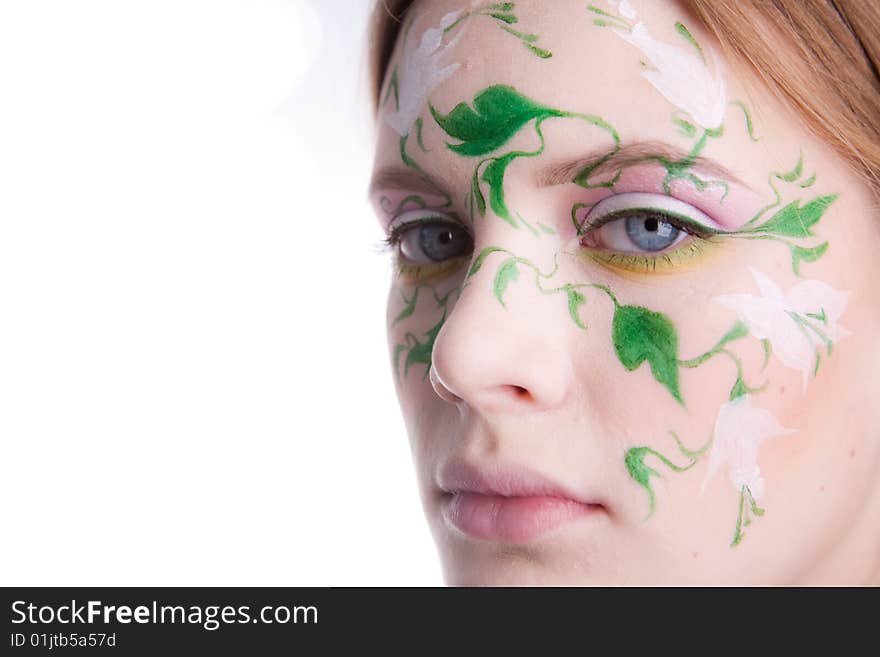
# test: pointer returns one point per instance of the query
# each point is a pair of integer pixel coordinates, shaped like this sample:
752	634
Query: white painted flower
422	68
769	316
679	73
739	431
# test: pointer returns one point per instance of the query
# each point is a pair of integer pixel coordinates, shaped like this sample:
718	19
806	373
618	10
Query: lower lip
511	519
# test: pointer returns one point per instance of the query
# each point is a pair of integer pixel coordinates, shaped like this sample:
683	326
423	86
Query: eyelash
689	227
415	272
660	262
397	232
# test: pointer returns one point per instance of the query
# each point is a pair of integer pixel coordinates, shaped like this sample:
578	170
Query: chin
502	570
468	562
510	570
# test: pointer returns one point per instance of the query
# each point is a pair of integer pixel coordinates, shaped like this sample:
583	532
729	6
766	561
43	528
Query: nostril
521	392
506	397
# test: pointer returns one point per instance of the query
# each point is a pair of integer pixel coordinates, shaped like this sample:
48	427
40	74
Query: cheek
628	411
415	314
827	470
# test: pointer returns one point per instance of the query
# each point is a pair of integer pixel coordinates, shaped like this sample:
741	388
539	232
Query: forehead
591	67
567	29
644	68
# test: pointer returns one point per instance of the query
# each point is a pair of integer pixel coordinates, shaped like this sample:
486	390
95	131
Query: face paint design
641	473
496	115
792	326
739	431
421	68
681	75
418	351
424	66
793	221
503	14
639	334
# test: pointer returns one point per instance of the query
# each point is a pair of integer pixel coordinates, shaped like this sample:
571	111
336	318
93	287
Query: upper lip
503	479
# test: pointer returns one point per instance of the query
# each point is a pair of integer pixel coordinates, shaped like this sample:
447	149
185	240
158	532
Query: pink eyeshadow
389	203
740	204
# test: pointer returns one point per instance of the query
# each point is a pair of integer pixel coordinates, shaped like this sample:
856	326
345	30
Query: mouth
507	503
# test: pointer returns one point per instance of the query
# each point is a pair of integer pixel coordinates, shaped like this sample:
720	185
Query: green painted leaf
494	176
506	274
640	472
642	335
478	194
739	389
522	36
795	173
808	182
393	87
409	308
758	511
684	32
497	114
601	12
575	301
540	52
799	253
481	257
510	19
686	128
421	351
794	221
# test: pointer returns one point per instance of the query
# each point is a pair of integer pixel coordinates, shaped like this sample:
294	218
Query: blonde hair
828	75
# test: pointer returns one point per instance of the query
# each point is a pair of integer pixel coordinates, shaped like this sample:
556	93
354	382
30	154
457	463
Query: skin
519	361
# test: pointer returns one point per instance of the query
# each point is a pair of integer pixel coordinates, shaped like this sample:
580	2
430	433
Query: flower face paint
573	313
681	75
422	68
739	431
794	325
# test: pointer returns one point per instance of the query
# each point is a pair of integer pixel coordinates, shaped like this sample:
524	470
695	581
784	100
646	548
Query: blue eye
649	231
643	223
431	240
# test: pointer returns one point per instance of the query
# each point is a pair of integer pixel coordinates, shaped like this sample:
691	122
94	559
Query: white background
194	380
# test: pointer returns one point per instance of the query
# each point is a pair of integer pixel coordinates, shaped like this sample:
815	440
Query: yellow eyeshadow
676	261
409	273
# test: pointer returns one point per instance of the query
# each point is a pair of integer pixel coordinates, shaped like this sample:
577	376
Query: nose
511	358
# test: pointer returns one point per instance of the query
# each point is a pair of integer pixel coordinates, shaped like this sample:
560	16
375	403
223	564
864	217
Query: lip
507	503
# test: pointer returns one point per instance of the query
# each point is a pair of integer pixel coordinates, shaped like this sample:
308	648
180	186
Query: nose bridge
504	344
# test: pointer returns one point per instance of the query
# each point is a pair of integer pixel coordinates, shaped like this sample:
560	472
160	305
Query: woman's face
633	318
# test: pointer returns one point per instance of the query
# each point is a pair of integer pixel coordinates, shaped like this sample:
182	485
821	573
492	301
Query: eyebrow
560	173
398	178
603	161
